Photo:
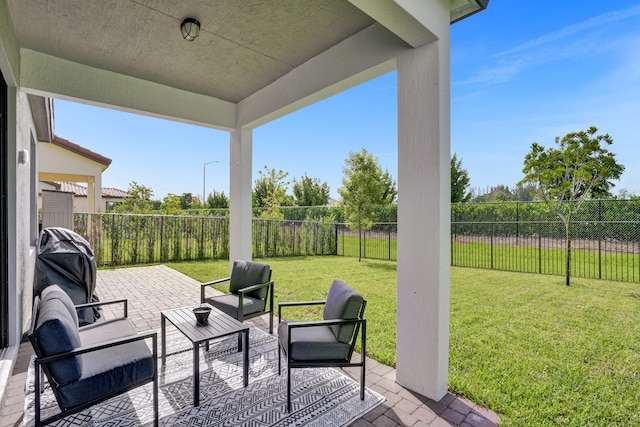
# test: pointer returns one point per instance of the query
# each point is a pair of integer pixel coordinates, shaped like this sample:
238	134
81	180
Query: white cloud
588	38
589	24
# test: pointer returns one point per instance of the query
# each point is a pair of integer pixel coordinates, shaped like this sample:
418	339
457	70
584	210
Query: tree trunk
568	259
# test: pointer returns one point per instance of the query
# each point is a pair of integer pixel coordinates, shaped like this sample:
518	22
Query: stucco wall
24	241
54	159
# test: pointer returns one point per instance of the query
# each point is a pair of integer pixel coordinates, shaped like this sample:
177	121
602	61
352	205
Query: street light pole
204	174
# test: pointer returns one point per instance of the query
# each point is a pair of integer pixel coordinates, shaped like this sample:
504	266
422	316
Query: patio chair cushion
248	273
314	343
342	303
56	332
113	368
229	304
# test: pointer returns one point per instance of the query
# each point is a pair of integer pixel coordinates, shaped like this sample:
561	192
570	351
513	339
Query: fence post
364	243
454	228
517	223
599	239
201	249
266	240
389	240
162	239
539	243
492	233
113	238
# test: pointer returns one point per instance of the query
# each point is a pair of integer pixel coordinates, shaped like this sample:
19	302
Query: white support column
423	219
240	194
94	193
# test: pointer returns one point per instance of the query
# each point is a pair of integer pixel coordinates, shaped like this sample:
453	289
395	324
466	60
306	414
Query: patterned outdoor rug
319	396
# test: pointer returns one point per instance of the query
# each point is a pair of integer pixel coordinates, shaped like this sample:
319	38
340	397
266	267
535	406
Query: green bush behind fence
122	239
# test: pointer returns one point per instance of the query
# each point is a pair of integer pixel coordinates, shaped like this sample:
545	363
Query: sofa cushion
316	343
55	291
109	370
342	303
107	330
229	304
248	273
56	332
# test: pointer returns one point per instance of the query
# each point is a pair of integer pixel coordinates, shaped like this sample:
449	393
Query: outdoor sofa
90	364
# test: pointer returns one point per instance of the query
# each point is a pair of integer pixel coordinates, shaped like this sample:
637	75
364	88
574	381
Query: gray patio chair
326	343
251	292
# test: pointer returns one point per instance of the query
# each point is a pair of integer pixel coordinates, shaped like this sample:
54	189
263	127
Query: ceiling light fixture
190	29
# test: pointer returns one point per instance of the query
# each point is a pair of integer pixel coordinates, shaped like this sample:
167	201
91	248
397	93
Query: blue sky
521	72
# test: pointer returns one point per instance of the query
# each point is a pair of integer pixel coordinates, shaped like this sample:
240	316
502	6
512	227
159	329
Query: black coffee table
219	325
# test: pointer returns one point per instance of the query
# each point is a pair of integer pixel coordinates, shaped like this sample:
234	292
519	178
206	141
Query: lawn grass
545	354
535	351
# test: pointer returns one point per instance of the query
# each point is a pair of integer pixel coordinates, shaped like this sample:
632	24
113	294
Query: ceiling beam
418	22
47	75
397	20
364	56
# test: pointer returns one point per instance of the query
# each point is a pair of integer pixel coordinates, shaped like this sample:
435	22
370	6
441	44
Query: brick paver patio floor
156	288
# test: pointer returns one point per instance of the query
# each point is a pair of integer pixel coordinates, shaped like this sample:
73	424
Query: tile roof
75	148
81	190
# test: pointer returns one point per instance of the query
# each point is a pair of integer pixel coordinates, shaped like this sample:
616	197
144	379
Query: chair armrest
203	286
110	302
330	322
255	287
215	282
295	304
111	343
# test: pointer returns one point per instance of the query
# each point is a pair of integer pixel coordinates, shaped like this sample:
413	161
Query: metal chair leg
288	388
279	361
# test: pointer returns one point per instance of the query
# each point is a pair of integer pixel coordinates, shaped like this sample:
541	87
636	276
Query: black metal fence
517	236
526	237
378	243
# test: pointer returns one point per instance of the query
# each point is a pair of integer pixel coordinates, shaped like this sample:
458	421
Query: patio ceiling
230	59
243	46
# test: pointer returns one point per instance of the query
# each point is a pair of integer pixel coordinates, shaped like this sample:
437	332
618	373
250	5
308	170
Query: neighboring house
252	63
110	196
332	202
64	161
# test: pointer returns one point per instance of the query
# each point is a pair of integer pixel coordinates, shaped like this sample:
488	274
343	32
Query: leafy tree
523	193
459	181
581	168
171	205
187	201
310	192
365	187
139	200
270	191
497	193
502	193
217	200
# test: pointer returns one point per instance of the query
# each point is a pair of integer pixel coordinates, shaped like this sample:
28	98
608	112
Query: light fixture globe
190	29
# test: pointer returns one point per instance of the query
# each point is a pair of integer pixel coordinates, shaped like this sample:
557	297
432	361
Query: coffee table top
219	323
